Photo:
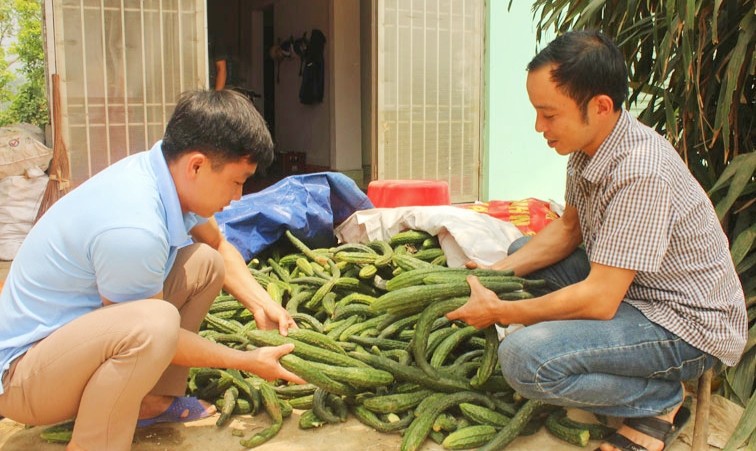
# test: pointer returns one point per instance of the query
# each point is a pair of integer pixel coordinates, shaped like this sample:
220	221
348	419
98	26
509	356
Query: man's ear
604	104
195	161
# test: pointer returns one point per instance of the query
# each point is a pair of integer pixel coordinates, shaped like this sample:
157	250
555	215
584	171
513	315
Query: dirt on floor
352	435
203	435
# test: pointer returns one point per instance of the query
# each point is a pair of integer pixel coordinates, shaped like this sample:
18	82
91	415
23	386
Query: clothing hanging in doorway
313	70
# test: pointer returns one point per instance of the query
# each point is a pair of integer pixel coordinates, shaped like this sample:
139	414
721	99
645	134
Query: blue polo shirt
114	236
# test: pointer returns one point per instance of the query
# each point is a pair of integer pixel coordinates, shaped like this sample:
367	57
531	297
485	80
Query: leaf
670	115
714	24
749	286
741	377
745	427
740	169
747	27
586	15
724	177
746	264
743	244
687	36
751	339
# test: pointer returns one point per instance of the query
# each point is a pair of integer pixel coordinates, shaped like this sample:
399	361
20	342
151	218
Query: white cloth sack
463	234
21	148
20	198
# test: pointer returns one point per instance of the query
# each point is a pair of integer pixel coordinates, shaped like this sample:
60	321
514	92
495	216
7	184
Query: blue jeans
624	367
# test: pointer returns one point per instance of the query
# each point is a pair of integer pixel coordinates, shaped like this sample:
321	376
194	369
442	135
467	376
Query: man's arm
597	297
195	351
556	241
221	74
240	283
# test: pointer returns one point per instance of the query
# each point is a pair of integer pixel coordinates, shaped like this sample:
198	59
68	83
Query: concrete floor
349	436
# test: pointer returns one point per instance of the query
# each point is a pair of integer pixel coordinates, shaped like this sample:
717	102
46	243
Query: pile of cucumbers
373	342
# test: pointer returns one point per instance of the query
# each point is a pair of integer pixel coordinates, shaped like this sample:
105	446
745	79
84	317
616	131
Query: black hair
588	64
224	125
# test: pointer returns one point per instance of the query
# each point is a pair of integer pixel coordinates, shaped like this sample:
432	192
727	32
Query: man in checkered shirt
651	298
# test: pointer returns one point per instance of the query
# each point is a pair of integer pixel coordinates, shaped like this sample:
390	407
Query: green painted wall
517	163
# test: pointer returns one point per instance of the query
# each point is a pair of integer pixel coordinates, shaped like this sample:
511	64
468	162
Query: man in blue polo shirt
83	332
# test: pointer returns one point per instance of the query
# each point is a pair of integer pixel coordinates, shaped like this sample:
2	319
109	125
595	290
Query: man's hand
481	309
264	362
273	316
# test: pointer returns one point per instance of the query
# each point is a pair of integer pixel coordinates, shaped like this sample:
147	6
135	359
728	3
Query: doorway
239	32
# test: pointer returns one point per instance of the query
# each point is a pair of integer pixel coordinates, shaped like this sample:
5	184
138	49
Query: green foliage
23	97
29	105
6	77
691	63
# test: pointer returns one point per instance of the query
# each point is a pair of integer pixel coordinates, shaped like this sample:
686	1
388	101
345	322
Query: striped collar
595	168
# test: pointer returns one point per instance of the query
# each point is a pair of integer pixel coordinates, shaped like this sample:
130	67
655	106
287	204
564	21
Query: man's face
558	117
217	187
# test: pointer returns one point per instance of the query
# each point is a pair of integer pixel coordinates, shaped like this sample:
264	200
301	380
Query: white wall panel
430	83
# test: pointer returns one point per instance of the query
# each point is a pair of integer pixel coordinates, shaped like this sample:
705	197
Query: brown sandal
653	427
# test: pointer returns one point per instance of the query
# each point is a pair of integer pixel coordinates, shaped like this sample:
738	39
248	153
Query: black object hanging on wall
313	70
300	48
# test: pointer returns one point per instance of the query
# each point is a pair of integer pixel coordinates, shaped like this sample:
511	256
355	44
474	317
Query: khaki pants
98	367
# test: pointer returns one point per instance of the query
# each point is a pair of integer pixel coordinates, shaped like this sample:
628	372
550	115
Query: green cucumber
229	403
483	415
489	359
312	375
397	402
357	377
309	420
450	343
574	436
412	374
322	409
368	418
418	431
302	349
515	426
410	236
469	437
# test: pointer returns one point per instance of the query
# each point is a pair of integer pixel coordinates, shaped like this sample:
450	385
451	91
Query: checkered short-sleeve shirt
641	209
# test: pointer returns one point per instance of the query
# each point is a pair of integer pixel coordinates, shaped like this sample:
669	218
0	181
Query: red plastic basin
406	193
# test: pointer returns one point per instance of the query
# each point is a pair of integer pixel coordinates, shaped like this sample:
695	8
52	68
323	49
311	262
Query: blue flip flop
172	414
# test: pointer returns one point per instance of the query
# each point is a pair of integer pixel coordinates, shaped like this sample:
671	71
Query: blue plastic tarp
310	205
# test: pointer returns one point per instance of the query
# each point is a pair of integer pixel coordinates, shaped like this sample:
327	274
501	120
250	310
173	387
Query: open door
429	92
122	64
